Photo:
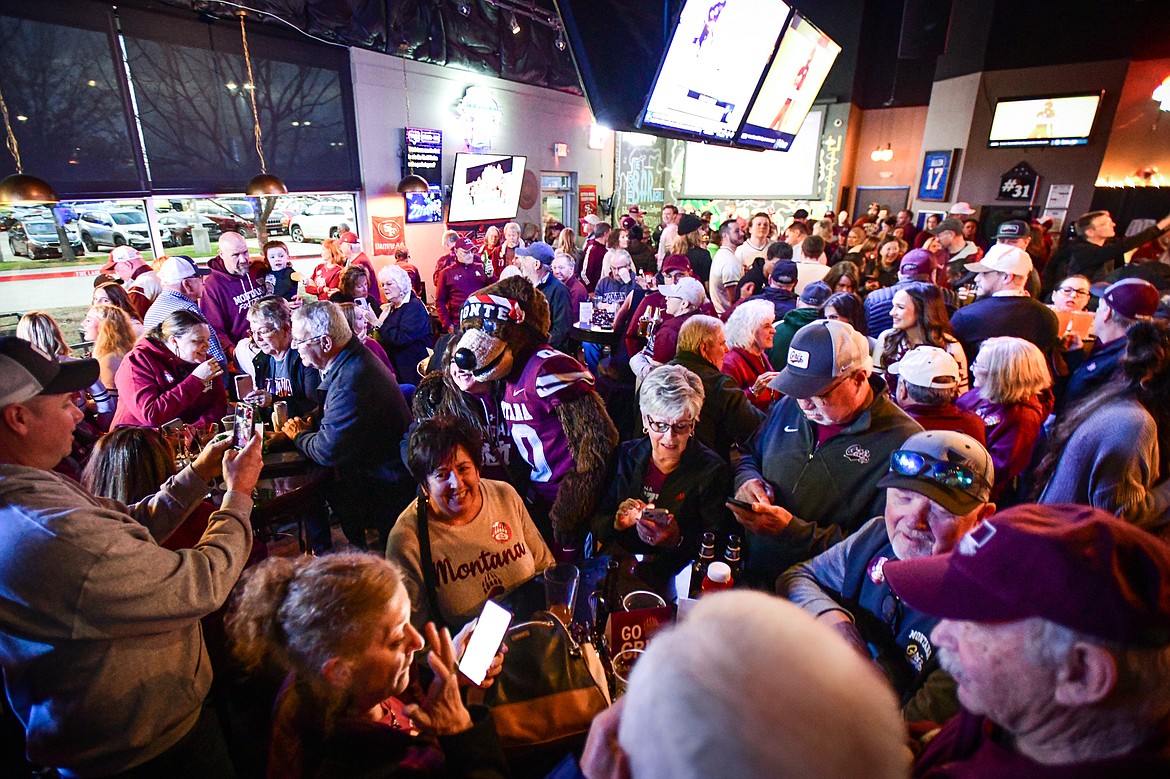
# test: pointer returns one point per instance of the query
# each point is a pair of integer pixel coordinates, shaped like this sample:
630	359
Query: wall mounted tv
716	58
423	207
793	80
485	187
1044	121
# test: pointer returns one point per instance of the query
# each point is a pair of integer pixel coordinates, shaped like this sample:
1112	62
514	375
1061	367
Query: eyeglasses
680	428
298	344
907	463
263	332
827	391
1072	292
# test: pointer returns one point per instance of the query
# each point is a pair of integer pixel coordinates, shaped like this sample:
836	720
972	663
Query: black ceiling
984	35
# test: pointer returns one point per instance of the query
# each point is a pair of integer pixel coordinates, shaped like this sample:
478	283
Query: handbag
550	688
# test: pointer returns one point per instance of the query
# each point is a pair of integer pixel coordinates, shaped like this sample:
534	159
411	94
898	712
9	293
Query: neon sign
480	117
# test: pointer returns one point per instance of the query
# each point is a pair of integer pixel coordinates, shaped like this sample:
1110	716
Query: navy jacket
557	295
405	334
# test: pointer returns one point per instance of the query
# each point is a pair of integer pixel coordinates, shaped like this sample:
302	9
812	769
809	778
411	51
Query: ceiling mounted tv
793	80
423	207
486	187
1044	121
712	67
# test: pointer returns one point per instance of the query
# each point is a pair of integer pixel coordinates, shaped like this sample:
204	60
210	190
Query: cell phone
485	641
245	416
244	386
743	504
660	517
172	428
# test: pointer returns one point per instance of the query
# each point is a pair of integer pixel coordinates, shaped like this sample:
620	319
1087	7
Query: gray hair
450	237
671	392
747	317
323	318
398	276
616	254
828	715
927	396
271	310
697	331
513	226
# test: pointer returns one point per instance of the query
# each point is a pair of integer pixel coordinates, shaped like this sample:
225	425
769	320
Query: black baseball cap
26	372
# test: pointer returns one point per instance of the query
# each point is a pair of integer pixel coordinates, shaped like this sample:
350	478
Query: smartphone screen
485	641
743	504
172	428
244	424
660	517
244	386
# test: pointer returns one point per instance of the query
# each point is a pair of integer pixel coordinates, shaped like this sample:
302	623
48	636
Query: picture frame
934	184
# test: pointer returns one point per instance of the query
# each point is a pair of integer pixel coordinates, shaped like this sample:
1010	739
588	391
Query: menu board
792	83
713	65
424	153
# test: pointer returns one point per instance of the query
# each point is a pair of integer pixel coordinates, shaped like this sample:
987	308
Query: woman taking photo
338	629
466	539
750	332
1012	396
169	374
920	317
112	334
353	286
404	329
672	471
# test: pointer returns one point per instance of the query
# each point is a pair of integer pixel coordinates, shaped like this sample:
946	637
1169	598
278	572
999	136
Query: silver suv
115	227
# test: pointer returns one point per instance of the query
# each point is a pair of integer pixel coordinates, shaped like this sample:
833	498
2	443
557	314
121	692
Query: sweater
103	655
1012	432
155	386
456	283
786	330
745	367
169	301
497	550
226	299
727	416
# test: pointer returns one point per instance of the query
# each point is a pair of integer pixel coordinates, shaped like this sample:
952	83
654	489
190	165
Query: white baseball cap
1003	258
686	288
962	208
929	367
179	267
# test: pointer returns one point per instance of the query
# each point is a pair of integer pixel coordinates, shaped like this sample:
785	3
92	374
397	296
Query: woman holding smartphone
684	481
169	374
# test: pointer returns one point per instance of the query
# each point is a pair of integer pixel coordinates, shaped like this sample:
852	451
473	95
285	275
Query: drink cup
623	663
560	590
642	599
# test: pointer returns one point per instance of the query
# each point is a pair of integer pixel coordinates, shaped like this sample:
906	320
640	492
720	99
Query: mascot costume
554	415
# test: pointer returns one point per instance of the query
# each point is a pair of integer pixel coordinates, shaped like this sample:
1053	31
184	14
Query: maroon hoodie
226	299
156	386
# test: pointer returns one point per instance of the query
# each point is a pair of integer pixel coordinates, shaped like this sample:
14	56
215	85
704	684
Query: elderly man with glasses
811	471
937	488
363	419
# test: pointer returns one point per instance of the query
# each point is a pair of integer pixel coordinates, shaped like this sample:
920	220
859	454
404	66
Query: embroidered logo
857	454
876	570
501	533
974	540
167	377
797	358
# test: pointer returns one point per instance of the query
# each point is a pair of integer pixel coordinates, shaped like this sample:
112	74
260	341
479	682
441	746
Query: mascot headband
491	308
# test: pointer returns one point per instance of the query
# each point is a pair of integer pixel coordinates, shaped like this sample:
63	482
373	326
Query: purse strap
426	561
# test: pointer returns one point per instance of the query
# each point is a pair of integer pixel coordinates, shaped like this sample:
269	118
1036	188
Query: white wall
533	120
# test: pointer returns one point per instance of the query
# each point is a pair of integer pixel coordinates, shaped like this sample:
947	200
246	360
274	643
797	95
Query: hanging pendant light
411	182
266	184
20	188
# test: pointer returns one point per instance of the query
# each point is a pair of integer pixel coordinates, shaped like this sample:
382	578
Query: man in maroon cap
127	264
674	267
456	282
351	250
1056	627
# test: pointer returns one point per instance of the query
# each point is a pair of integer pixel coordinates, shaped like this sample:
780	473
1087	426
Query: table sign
632	629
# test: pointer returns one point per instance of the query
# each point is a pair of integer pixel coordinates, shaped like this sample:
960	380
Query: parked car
219	212
116	227
320	220
37	239
178	226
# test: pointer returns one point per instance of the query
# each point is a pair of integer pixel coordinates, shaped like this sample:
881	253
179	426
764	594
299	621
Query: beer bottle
731	555
699	568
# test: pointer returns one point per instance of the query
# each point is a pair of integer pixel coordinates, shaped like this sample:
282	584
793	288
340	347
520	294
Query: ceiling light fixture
20	188
265	184
411	182
515	25
465	9
560	41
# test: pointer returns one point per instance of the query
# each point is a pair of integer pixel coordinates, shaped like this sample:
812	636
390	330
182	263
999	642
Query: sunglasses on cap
907	463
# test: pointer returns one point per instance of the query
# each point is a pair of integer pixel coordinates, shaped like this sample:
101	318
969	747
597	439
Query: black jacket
560	318
405	334
695	493
727	417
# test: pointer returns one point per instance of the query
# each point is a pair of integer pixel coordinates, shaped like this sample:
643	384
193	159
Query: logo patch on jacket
501	533
876	570
857	454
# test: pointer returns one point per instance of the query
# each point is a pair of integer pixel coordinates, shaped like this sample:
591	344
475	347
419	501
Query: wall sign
423	153
479	117
935	183
389	234
1018	184
587	198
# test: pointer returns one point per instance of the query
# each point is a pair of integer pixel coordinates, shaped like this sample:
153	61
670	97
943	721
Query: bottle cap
719	572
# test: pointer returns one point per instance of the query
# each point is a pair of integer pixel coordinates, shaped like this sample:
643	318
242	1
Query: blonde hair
566	242
747	317
115	333
41	330
697	331
1014	369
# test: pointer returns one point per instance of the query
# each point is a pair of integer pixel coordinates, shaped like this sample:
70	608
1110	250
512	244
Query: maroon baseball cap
674	262
628	222
917	262
464	243
350	237
1077	566
635	210
1129	297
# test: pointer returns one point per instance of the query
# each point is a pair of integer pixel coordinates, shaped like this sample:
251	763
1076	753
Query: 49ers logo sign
389	234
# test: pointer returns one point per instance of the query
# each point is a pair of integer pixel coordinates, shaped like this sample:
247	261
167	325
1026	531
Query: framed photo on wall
935	183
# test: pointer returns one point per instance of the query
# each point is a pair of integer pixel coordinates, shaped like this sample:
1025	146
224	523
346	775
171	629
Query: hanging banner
389	234
587	197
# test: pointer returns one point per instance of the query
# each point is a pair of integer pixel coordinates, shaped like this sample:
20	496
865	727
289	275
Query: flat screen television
423	207
716	58
1044	121
485	187
793	80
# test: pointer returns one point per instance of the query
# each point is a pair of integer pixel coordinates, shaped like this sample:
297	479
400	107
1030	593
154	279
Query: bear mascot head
501	326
